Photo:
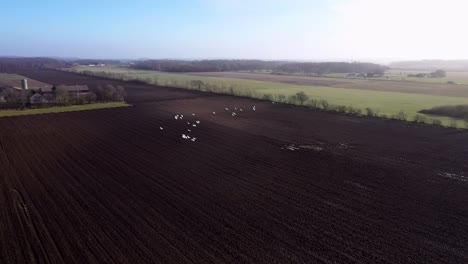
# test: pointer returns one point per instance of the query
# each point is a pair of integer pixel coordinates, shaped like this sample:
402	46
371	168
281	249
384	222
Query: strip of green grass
386	103
61	109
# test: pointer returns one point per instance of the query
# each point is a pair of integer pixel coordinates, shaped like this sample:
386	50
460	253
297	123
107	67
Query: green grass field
387	103
457	77
72	108
392	75
401	75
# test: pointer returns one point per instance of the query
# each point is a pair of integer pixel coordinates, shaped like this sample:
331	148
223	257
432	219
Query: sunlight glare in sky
238	29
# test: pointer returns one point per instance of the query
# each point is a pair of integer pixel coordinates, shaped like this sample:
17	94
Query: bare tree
197	84
325	105
302	97
292	99
281	98
120	93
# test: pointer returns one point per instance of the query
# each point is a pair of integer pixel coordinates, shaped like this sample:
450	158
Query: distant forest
205	65
258	65
332	67
8	64
276	67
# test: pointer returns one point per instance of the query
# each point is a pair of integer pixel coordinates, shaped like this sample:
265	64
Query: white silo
24	84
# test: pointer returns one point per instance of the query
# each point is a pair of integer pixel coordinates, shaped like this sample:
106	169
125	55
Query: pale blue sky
260	29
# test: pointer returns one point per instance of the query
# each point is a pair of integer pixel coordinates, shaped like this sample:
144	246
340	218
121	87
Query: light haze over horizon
236	29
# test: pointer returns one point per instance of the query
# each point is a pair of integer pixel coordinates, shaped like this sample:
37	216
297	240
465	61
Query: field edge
62	109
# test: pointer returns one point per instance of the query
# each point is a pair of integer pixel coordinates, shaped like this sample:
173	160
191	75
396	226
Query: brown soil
280	184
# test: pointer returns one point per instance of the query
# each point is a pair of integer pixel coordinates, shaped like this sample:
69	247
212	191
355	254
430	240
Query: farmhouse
37	99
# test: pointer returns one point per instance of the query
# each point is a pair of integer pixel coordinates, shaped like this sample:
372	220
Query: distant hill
430	65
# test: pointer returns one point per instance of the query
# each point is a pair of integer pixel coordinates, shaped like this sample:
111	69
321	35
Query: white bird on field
181	116
194	125
188	123
227	109
240	109
176	117
193	114
235	108
193	139
198	122
189	130
233	114
161	128
214	113
254	107
184	136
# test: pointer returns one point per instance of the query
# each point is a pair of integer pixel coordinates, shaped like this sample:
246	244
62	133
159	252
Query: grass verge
402	106
61	109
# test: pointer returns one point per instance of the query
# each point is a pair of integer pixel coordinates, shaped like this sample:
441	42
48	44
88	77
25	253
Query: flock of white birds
195	124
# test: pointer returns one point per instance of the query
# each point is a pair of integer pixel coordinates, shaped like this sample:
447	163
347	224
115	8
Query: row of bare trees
258	65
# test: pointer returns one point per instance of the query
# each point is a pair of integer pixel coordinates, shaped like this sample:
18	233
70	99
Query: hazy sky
261	29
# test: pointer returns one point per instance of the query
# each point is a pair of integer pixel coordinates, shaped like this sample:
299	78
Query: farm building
351	75
37	99
75	89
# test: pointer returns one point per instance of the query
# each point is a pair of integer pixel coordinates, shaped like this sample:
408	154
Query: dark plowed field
279	184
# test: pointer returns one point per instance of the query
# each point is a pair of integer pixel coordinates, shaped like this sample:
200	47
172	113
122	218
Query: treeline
205	65
332	67
257	65
95	61
435	74
275	67
7	64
